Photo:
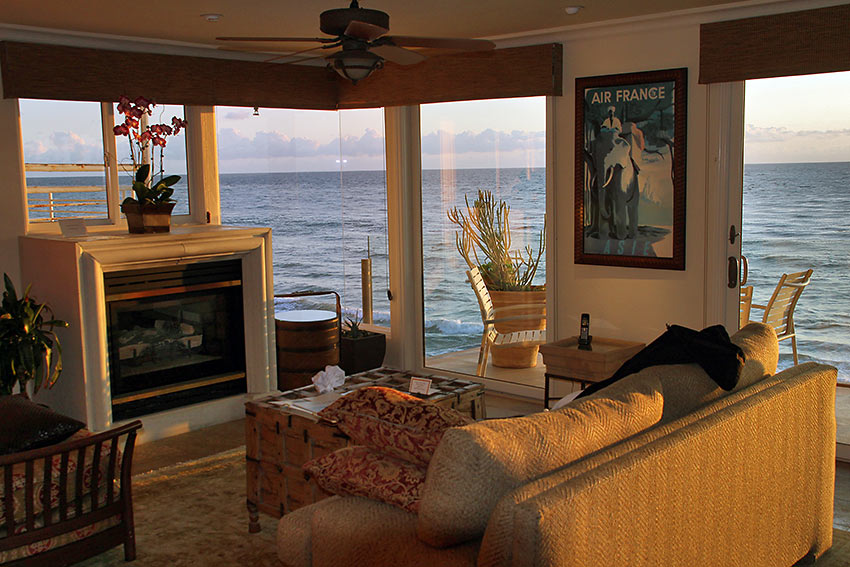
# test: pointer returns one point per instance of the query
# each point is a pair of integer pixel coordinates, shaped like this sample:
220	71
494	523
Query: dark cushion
26	425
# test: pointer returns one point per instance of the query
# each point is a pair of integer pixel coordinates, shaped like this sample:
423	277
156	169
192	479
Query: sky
787	120
801	119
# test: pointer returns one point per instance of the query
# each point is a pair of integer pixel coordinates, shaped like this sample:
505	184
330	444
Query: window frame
114	219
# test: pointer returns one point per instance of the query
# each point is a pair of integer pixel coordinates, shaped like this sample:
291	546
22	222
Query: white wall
636	303
13	219
630	303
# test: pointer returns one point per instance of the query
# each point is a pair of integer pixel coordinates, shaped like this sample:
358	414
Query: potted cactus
359	349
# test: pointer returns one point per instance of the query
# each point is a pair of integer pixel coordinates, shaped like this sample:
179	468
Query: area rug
839	554
193	514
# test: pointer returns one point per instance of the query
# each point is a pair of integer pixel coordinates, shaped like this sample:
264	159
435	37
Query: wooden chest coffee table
279	438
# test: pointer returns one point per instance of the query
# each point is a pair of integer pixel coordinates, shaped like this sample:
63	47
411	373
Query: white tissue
329	378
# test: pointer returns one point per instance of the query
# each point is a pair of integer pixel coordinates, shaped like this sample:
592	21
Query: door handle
733	272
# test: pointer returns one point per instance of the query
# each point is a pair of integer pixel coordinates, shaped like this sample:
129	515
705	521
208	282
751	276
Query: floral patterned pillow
393	422
360	471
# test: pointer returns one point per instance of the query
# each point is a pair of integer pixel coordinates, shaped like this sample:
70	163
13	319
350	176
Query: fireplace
142	337
175	336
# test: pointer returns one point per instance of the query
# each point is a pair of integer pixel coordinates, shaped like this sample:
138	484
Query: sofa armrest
753	478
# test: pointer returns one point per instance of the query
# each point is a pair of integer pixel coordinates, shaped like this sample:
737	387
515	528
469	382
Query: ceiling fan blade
296	55
364	30
397	54
441	42
299	39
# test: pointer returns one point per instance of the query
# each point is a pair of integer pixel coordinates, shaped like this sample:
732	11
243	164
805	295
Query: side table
565	361
279	438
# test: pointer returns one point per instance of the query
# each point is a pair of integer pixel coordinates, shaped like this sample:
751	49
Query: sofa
660	468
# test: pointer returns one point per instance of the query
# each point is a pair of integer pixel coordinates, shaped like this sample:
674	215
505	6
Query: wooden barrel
307	341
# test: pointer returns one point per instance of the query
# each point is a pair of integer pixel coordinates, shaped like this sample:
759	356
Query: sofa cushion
475	465
758	341
357	531
27	425
687	386
360	471
393	422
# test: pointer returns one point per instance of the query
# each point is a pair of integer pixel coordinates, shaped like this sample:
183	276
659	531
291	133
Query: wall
13	217
636	303
631	303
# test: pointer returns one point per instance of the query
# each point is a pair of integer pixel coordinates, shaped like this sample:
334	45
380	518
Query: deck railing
50	203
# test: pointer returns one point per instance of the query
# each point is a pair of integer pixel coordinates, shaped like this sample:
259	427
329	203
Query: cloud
485	141
234	145
63	147
772	134
238	115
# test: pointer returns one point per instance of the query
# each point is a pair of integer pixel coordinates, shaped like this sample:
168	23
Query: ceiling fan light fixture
355	64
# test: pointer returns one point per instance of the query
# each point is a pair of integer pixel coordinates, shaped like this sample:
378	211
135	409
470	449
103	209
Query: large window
64	156
318	179
495	146
68	160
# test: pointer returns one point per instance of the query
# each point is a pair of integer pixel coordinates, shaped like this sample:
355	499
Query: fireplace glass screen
176	336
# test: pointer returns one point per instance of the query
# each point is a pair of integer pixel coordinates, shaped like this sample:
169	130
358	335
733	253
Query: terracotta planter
363	353
519	357
143	219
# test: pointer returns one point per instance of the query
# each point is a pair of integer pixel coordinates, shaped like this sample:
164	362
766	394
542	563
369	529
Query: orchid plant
147	190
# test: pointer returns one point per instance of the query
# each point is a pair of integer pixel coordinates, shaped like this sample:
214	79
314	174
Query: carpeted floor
192	515
839	554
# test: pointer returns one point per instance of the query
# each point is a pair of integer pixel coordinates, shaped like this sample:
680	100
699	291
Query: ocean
796	218
325	222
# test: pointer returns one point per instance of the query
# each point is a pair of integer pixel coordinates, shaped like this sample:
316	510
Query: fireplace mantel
67	273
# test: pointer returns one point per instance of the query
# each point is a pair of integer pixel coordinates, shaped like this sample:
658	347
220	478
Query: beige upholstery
751	483
475	465
740	478
357	531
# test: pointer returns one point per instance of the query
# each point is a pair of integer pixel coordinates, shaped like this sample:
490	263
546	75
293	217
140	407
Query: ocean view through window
489	145
318	179
796	173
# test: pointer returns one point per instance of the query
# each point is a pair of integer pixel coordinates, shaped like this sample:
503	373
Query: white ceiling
181	21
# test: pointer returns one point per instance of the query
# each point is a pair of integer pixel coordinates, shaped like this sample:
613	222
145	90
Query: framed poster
630	169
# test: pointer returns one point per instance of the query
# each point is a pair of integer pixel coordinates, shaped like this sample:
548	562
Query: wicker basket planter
519	357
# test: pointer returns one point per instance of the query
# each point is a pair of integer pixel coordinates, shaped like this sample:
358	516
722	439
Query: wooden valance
795	43
515	72
59	72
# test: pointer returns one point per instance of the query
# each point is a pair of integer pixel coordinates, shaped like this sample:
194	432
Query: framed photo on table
630	172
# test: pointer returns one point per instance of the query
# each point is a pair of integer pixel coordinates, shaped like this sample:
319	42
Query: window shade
795	43
73	73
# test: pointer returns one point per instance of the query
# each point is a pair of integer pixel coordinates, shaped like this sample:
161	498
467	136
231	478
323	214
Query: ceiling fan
360	32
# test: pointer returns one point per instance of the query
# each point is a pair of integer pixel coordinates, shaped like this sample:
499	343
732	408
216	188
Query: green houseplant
29	348
360	349
484	240
150	210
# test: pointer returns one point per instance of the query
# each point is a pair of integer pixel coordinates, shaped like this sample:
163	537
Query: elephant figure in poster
617	187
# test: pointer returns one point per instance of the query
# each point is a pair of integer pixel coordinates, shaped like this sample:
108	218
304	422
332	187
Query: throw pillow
393	422
476	465
360	471
27	425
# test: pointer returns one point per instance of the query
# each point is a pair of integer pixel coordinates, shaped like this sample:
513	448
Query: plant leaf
143	172
170	180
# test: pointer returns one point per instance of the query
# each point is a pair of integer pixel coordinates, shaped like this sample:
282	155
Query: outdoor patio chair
745	305
779	311
491	315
